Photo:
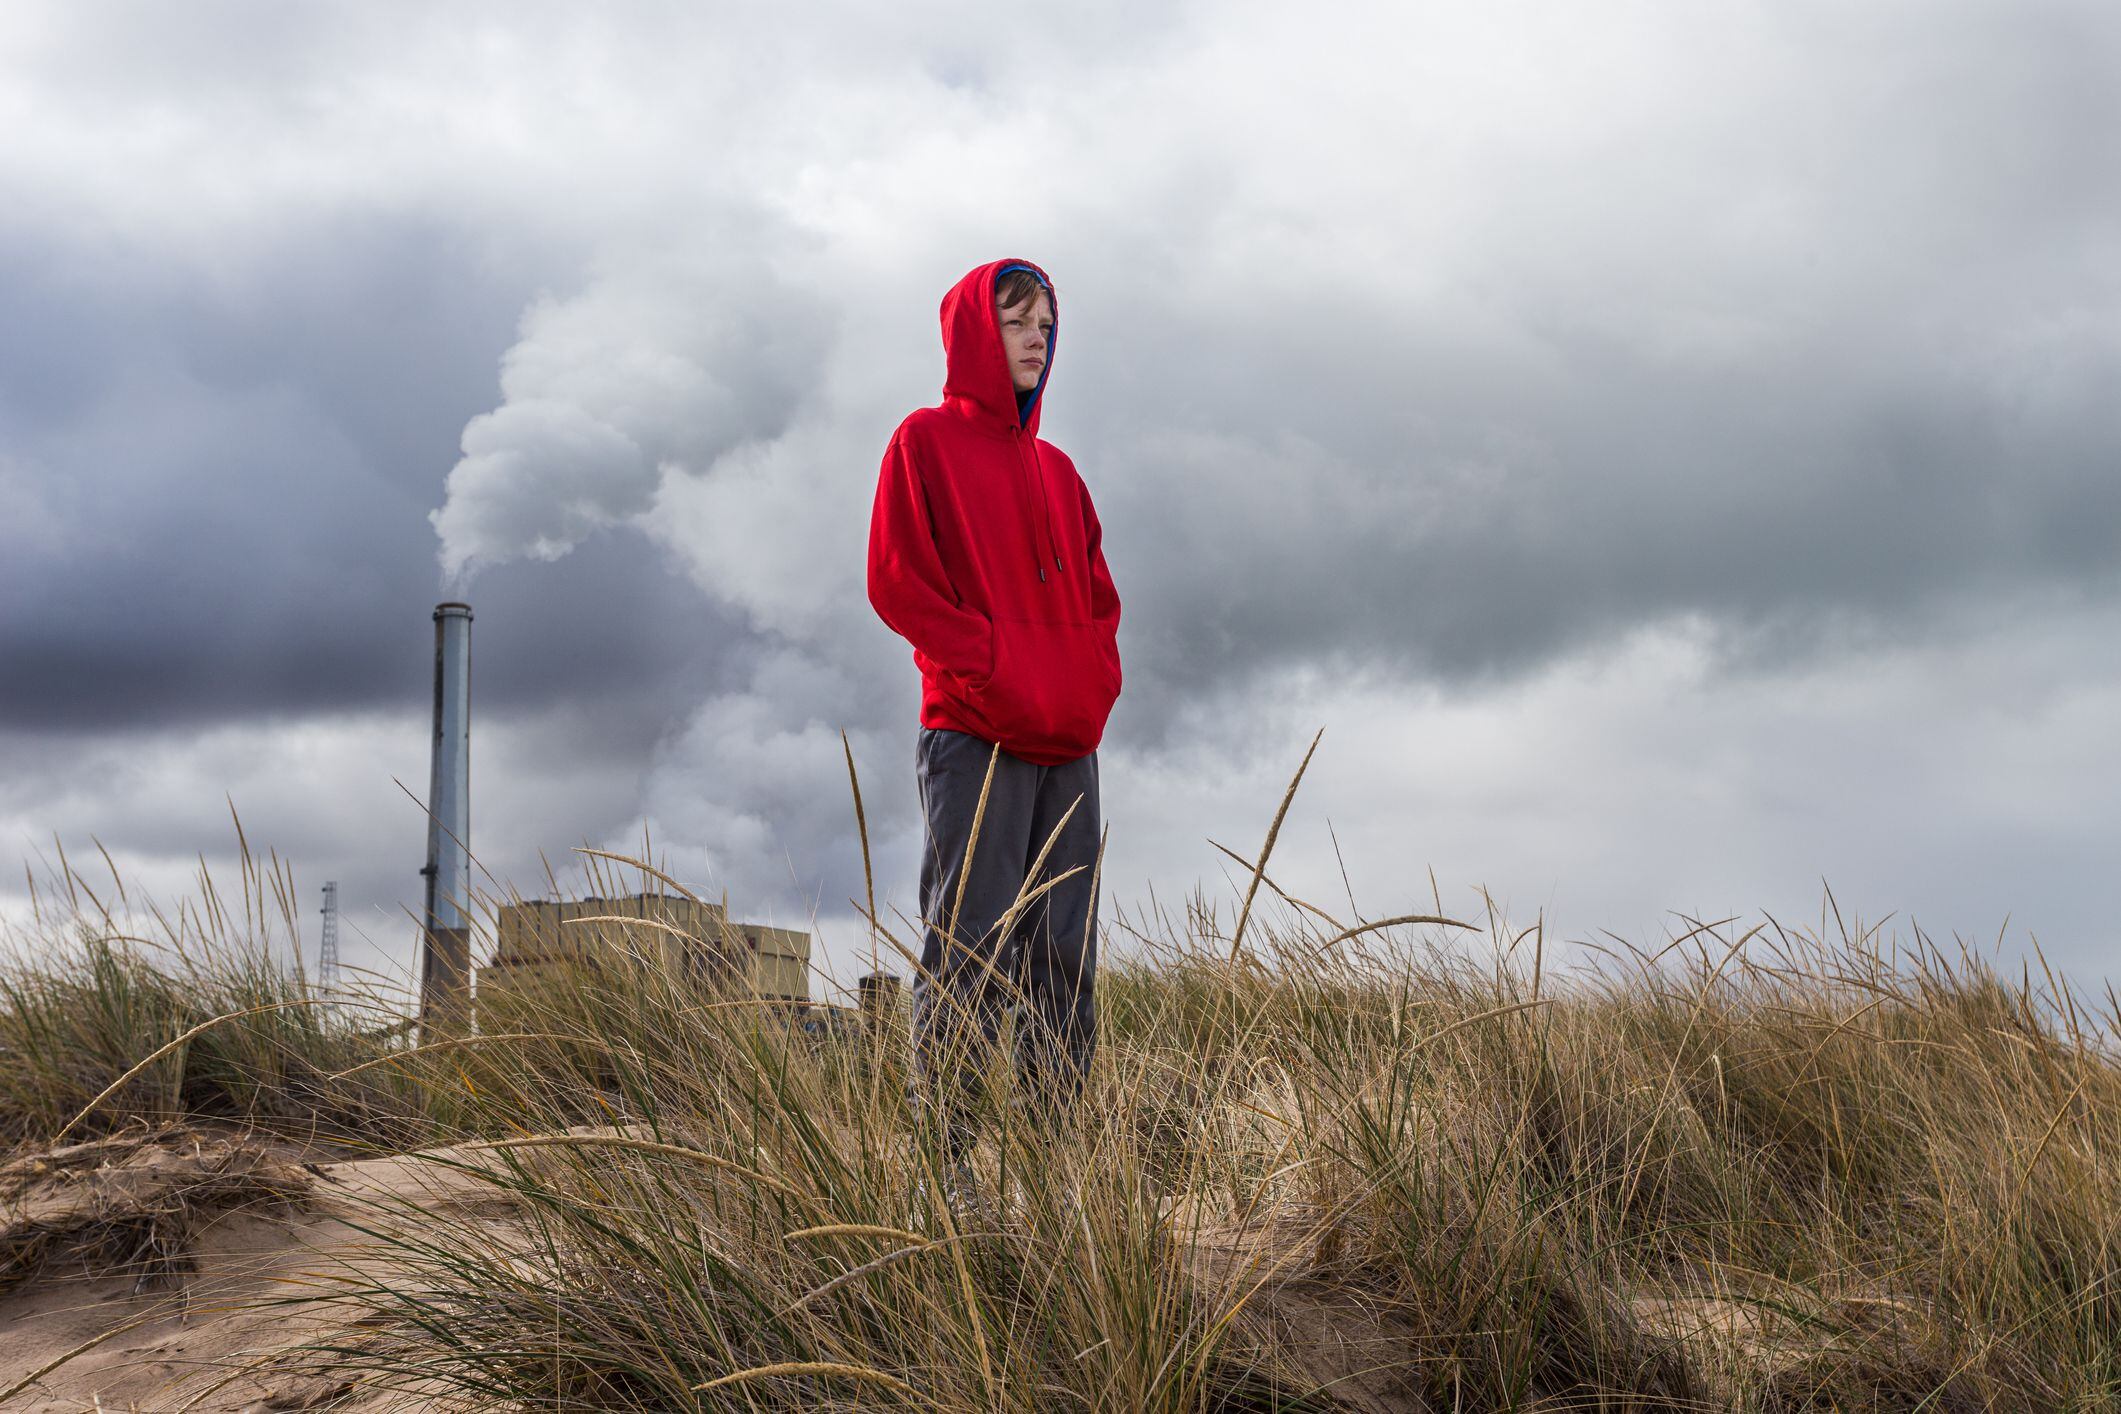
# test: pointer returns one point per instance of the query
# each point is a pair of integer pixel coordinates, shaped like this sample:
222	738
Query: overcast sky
1672	449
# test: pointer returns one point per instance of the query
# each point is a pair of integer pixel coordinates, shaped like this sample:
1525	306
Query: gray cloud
227	485
1447	361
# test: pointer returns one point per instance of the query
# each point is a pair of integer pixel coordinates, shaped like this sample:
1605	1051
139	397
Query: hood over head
976	370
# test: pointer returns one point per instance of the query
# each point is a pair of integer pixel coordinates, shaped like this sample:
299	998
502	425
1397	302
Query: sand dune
168	1260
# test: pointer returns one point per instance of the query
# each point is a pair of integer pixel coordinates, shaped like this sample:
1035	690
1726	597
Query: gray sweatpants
1045	967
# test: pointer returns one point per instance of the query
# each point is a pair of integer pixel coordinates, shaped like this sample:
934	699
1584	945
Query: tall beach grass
1323	1163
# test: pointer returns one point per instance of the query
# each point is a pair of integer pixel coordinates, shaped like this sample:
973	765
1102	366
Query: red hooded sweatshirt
986	555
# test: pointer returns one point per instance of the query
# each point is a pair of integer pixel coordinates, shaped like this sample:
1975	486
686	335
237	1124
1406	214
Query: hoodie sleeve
1104	599
908	587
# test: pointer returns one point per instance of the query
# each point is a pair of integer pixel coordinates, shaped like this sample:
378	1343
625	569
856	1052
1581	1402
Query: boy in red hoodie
986	555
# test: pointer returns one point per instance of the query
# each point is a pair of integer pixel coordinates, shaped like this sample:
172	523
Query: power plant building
544	938
557	940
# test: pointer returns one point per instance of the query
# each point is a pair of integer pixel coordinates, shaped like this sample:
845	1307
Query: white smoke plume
661	366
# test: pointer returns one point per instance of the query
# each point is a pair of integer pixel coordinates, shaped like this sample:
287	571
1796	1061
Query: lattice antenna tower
328	945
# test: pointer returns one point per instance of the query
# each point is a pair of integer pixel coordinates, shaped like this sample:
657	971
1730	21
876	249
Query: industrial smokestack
445	955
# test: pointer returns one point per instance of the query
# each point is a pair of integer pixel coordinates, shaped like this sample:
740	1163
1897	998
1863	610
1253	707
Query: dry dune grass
130	1202
1324	1164
190	1265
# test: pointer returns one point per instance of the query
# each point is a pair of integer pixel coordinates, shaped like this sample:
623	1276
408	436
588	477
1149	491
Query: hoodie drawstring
1027	449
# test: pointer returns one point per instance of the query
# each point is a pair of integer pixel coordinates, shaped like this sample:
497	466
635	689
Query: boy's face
1025	329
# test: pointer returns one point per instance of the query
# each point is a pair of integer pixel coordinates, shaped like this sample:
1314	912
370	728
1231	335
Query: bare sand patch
186	1265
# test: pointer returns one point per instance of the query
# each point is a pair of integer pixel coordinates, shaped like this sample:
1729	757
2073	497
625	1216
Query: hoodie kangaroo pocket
1052	684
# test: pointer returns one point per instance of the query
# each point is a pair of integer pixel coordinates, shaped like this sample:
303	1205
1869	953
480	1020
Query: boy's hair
1016	287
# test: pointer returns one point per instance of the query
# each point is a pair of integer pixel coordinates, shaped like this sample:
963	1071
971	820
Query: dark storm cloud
1778	367
233	480
232	472
1430	519
1851	355
1453	354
